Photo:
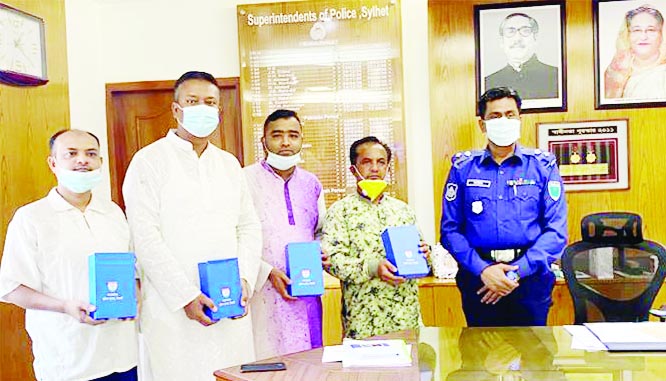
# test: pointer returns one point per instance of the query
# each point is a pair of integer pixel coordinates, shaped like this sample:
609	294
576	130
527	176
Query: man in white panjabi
45	270
188	202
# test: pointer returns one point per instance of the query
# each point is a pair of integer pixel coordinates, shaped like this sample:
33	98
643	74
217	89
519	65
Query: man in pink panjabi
290	204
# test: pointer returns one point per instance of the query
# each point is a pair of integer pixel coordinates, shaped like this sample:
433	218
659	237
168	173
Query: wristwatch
513	275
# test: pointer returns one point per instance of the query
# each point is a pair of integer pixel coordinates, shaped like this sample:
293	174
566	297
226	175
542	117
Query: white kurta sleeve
141	194
19	266
248	232
265	269
321	214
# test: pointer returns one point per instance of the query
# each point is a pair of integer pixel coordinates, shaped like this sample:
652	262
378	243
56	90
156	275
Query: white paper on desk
391	361
583	338
623	336
376	353
333	353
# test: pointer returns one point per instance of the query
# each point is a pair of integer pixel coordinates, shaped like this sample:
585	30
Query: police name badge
478	183
477	207
554	190
451	191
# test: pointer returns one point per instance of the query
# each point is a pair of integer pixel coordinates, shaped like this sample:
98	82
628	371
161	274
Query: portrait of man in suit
522	47
523	72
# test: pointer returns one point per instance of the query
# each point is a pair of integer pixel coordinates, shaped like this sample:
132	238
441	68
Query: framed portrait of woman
521	45
630	55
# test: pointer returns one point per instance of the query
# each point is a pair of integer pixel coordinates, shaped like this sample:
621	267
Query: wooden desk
466	354
441	305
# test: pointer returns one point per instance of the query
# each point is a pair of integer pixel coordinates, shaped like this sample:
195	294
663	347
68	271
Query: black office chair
660	313
613	274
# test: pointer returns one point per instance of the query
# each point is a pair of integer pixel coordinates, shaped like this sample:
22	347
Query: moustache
517	44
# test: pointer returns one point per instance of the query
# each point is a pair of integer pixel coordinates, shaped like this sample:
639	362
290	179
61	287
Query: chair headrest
612	228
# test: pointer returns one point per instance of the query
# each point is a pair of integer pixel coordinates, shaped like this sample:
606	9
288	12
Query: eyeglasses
650	32
524	31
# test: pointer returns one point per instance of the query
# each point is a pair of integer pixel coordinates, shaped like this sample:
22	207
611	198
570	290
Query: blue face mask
200	120
79	182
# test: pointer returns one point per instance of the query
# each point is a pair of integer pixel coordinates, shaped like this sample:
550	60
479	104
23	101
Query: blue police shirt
516	205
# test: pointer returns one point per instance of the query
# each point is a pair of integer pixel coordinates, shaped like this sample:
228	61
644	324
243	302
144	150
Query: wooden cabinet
441	305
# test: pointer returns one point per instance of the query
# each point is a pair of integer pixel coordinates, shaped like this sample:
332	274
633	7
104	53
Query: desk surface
476	354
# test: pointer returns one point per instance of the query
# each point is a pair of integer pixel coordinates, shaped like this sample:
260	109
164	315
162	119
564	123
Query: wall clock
22	48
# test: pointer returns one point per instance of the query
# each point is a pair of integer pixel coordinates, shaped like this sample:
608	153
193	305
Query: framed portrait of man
630	55
522	46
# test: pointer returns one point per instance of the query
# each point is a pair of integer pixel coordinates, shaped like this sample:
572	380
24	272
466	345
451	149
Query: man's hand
495	280
81	312
195	309
139	298
425	249
280	280
489	297
386	272
245	298
325	261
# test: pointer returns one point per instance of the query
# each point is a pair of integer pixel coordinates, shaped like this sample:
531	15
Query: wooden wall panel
454	125
28	117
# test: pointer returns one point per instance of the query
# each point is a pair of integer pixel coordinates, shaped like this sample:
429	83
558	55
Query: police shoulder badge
554	190
451	191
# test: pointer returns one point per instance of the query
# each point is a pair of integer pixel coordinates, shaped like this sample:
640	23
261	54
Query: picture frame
529	56
591	155
627	68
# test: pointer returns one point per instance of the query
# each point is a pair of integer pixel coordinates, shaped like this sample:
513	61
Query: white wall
142	40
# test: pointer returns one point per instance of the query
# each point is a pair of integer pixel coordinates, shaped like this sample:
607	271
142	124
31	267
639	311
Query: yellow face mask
372	188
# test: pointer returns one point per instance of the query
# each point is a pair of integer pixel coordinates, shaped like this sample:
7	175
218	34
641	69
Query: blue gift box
112	285
304	269
220	281
402	250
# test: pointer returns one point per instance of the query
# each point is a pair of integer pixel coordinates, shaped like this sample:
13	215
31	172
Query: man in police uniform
504	220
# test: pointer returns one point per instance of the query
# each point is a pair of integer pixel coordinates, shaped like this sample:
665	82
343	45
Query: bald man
45	269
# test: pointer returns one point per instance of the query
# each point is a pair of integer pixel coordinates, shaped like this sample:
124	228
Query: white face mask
502	131
79	182
200	120
282	163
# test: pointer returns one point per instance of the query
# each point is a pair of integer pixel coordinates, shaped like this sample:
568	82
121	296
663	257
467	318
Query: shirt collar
58	203
181	143
270	169
518	153
366	200
531	62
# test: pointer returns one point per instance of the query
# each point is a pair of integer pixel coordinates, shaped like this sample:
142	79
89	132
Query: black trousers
527	305
130	375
